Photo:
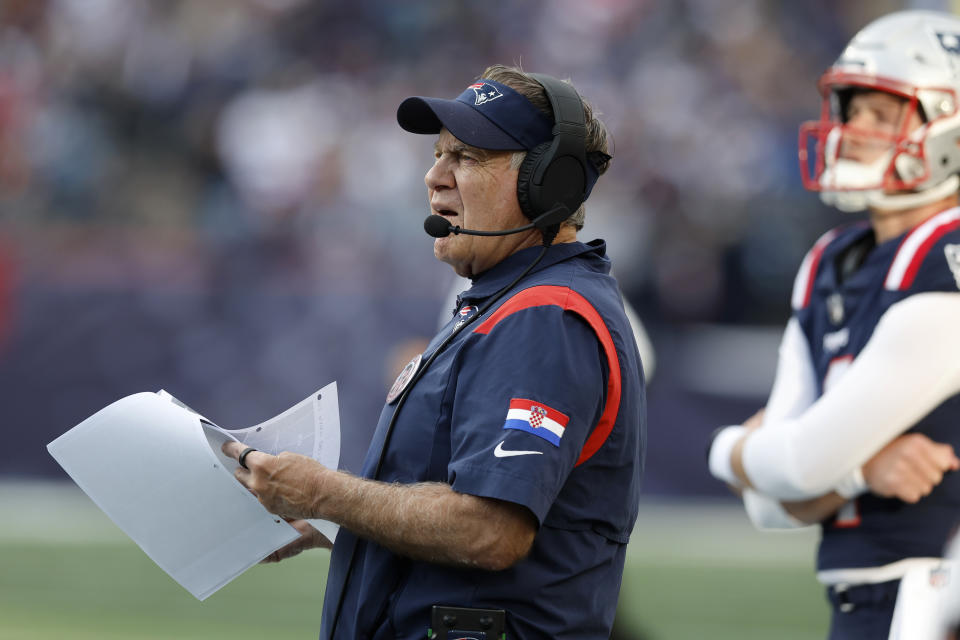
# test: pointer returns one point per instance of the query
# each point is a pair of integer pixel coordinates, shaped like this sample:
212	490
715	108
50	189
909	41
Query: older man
502	482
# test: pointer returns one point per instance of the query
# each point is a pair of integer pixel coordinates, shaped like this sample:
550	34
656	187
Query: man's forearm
908	368
736	461
429	521
815	510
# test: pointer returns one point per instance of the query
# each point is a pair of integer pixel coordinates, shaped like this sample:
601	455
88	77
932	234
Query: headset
555	172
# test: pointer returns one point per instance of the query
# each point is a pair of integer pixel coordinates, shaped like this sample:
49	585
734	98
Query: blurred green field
694	570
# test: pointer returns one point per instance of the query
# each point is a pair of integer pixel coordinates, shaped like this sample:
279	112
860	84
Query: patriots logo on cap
536	418
485	92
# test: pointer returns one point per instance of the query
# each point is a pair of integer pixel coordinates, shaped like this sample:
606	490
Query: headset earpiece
555	172
524	177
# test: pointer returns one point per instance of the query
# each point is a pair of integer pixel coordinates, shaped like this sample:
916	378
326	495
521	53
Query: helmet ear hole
910	168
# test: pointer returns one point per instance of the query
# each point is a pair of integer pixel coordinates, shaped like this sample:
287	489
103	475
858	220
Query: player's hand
752	423
909	467
289	485
756	420
309	538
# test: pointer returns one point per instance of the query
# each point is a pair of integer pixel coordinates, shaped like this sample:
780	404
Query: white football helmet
911	54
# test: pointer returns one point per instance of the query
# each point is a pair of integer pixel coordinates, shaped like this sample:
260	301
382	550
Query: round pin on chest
406	375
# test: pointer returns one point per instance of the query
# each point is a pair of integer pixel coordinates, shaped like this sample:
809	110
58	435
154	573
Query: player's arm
426	521
910	365
814	510
794	390
907	468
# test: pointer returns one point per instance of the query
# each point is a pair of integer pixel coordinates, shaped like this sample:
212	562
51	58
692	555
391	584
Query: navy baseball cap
487	115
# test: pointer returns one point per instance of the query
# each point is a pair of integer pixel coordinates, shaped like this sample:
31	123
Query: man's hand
909	467
756	420
289	485
752	423
309	538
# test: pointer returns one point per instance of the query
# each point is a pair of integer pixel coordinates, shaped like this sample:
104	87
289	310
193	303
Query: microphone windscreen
437	226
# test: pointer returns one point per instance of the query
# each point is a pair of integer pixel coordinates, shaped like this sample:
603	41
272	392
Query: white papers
310	428
155	468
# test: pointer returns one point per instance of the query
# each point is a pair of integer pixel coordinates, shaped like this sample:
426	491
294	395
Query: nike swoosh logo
500	452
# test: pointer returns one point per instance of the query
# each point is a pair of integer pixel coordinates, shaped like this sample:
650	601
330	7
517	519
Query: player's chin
864	154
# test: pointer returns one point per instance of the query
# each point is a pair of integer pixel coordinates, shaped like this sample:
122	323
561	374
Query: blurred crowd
215	197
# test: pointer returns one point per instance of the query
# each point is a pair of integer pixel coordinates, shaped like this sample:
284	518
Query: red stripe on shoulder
569	300
924	250
807	274
915	247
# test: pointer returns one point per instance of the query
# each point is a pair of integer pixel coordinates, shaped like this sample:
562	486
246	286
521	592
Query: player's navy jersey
539	403
838	305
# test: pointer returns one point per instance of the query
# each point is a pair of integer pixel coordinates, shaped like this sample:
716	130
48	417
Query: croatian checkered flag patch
536	418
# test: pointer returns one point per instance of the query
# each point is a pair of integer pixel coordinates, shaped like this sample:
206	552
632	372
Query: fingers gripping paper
155	468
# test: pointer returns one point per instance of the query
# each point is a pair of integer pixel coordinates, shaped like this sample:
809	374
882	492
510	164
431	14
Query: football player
860	431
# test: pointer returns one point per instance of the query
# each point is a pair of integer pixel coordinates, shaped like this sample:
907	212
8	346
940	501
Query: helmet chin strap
845	183
853	176
900	201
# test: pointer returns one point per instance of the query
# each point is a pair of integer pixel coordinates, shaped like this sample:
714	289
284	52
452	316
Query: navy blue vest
553	369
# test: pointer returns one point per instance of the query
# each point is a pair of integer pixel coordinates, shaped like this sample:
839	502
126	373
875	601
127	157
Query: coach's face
475	189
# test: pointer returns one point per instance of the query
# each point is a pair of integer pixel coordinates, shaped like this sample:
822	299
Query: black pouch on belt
461	623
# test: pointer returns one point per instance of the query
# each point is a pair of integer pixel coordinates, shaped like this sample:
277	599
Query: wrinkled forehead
446	142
